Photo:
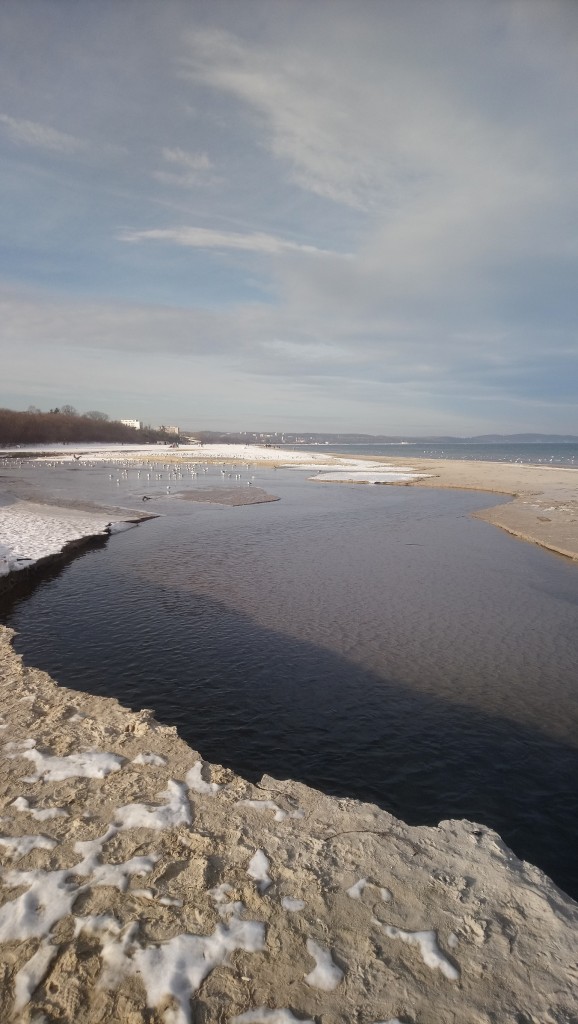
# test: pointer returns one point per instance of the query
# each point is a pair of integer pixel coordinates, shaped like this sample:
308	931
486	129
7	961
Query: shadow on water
294	709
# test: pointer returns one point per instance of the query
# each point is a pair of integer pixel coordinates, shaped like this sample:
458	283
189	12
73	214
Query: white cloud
207	238
42	136
192	169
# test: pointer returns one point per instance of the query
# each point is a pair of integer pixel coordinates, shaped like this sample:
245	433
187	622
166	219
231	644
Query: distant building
132	423
171	430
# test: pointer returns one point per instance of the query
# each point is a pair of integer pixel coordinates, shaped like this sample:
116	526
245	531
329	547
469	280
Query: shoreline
159	881
269	902
543	509
544	506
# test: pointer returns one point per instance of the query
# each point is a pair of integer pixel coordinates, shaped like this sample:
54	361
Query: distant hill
307	437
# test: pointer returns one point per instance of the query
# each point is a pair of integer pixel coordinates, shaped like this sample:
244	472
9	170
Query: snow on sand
268	903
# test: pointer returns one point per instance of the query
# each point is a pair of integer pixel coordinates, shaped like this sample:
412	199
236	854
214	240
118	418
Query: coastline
136	857
543	509
137	879
544	506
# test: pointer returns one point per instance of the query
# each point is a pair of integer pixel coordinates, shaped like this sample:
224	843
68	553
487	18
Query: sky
292	214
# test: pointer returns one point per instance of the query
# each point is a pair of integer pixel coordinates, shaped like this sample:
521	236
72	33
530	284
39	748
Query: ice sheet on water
29	532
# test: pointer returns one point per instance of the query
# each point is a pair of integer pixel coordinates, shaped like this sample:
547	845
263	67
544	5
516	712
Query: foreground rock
139	884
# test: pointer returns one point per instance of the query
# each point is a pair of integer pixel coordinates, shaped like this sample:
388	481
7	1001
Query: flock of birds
152	473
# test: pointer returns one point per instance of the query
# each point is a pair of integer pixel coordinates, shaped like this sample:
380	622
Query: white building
132	423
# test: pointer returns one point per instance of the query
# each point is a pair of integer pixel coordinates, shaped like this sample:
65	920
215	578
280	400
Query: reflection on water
371	641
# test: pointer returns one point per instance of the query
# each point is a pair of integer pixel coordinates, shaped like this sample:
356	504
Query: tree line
65	425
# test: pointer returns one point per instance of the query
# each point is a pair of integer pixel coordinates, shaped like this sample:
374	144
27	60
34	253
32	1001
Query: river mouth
372	642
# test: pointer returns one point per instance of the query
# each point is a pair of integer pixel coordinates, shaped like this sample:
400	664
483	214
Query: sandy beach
140	884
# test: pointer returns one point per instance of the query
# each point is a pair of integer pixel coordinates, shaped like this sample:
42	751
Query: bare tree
94	414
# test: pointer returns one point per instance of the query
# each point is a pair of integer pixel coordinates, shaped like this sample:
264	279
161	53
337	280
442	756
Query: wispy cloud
42	136
190	170
207	238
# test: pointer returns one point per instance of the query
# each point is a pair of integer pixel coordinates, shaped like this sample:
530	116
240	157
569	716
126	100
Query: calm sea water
535	453
374	642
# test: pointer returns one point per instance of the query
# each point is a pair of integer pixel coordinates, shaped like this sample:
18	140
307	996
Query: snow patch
195	781
19	846
155	759
92	764
326	975
356	890
258	869
21	804
263	1015
431	954
34	971
292	905
176	811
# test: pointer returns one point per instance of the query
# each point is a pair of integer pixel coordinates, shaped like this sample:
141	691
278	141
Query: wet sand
233	496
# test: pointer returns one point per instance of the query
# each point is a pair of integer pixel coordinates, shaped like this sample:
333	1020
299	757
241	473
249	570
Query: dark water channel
374	642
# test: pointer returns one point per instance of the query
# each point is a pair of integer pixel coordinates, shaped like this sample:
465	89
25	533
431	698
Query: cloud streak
208	238
42	136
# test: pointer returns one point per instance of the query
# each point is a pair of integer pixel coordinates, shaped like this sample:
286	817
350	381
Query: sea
379	643
539	453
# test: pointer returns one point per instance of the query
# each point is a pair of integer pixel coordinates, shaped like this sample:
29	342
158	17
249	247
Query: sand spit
139	884
233	496
545	506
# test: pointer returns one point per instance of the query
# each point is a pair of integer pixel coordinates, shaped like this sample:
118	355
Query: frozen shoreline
137	879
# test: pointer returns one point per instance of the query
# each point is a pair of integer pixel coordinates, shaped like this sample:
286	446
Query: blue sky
288	215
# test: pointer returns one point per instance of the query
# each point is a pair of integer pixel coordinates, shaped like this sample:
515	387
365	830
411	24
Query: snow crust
39	814
258	870
29	532
176	811
326	975
263	1015
93	764
195	781
154	759
29	977
356	890
292	905
427	944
